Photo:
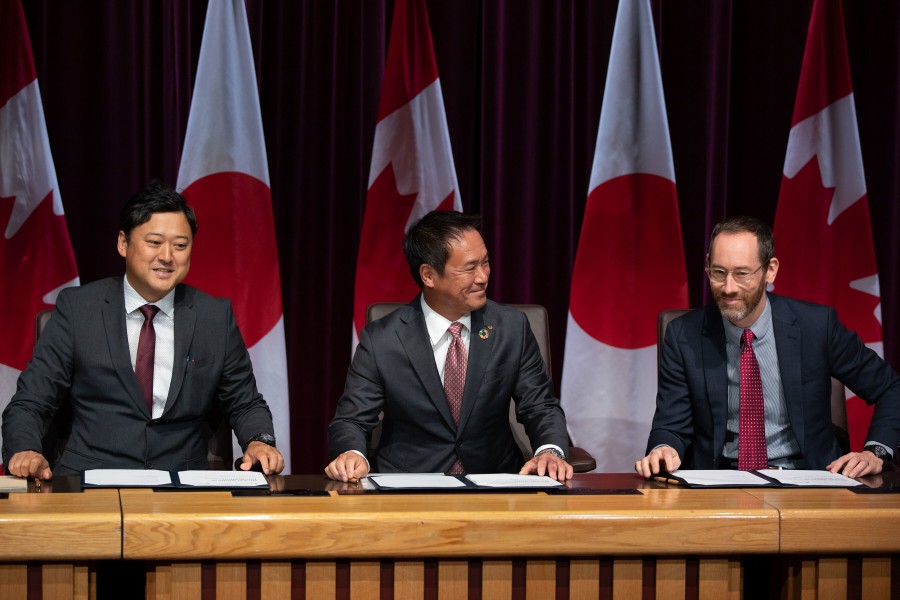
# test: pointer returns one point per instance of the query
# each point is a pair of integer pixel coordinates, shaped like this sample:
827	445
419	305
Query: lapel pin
485	332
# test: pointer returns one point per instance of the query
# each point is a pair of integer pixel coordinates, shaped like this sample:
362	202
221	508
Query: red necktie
455	380
146	352
752	434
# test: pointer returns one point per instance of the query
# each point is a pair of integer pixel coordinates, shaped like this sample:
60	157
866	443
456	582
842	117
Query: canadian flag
412	171
630	260
36	256
224	175
823	204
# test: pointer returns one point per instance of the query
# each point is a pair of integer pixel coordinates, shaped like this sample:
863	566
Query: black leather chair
216	430
838	396
579	458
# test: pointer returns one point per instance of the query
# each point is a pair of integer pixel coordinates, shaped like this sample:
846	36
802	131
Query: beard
749	300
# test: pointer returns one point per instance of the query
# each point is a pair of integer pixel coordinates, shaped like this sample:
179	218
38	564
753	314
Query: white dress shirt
440	337
164	355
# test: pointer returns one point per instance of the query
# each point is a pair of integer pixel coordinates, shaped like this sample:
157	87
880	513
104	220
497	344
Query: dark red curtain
523	85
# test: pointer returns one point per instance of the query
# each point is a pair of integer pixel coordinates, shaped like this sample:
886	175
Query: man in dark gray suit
401	367
799	347
88	352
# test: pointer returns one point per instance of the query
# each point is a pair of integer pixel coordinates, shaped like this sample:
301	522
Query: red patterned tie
455	380
752	434
143	364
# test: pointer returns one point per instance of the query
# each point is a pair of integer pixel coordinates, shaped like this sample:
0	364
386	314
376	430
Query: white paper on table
720	477
508	480
9	483
226	479
416	480
808	478
127	477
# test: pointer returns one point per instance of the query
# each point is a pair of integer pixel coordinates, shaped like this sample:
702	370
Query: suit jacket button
150	465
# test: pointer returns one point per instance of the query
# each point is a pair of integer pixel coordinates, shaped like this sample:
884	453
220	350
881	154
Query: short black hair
157	197
428	241
765	241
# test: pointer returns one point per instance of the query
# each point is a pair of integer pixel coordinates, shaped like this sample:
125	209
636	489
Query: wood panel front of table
49	542
666	543
447	545
836	543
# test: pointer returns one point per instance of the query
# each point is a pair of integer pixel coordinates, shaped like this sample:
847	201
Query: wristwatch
552	451
265	438
880	452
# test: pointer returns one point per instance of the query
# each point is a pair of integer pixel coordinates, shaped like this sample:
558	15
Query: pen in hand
662	479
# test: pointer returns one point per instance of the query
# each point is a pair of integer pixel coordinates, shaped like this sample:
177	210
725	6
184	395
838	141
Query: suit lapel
787	346
413	336
715	369
185	319
479	355
113	315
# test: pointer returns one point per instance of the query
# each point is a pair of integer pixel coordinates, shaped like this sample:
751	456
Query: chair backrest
838	393
217	431
580	459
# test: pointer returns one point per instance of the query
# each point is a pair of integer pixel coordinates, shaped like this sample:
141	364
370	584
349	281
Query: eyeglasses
740	276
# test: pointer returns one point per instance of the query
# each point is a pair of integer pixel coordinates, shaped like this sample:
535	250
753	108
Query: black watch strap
879	451
265	438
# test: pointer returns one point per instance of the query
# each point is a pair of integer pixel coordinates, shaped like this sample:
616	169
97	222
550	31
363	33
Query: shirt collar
437	324
133	301
760	328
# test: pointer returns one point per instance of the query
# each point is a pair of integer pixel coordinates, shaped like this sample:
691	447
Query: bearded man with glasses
745	382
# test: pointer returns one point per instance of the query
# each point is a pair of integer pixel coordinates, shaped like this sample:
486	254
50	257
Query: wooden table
449	544
665	542
66	533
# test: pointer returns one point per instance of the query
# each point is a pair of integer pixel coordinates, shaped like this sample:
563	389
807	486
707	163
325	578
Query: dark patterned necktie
146	352
752	434
455	380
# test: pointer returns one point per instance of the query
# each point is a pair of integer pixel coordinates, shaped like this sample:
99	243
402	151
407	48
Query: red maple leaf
382	273
37	259
819	261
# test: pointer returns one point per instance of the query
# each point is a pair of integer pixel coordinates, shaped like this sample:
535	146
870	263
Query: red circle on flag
235	254
630	262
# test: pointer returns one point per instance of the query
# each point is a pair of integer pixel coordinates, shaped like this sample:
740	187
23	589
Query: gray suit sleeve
537	408
673	419
248	412
360	404
868	376
42	385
